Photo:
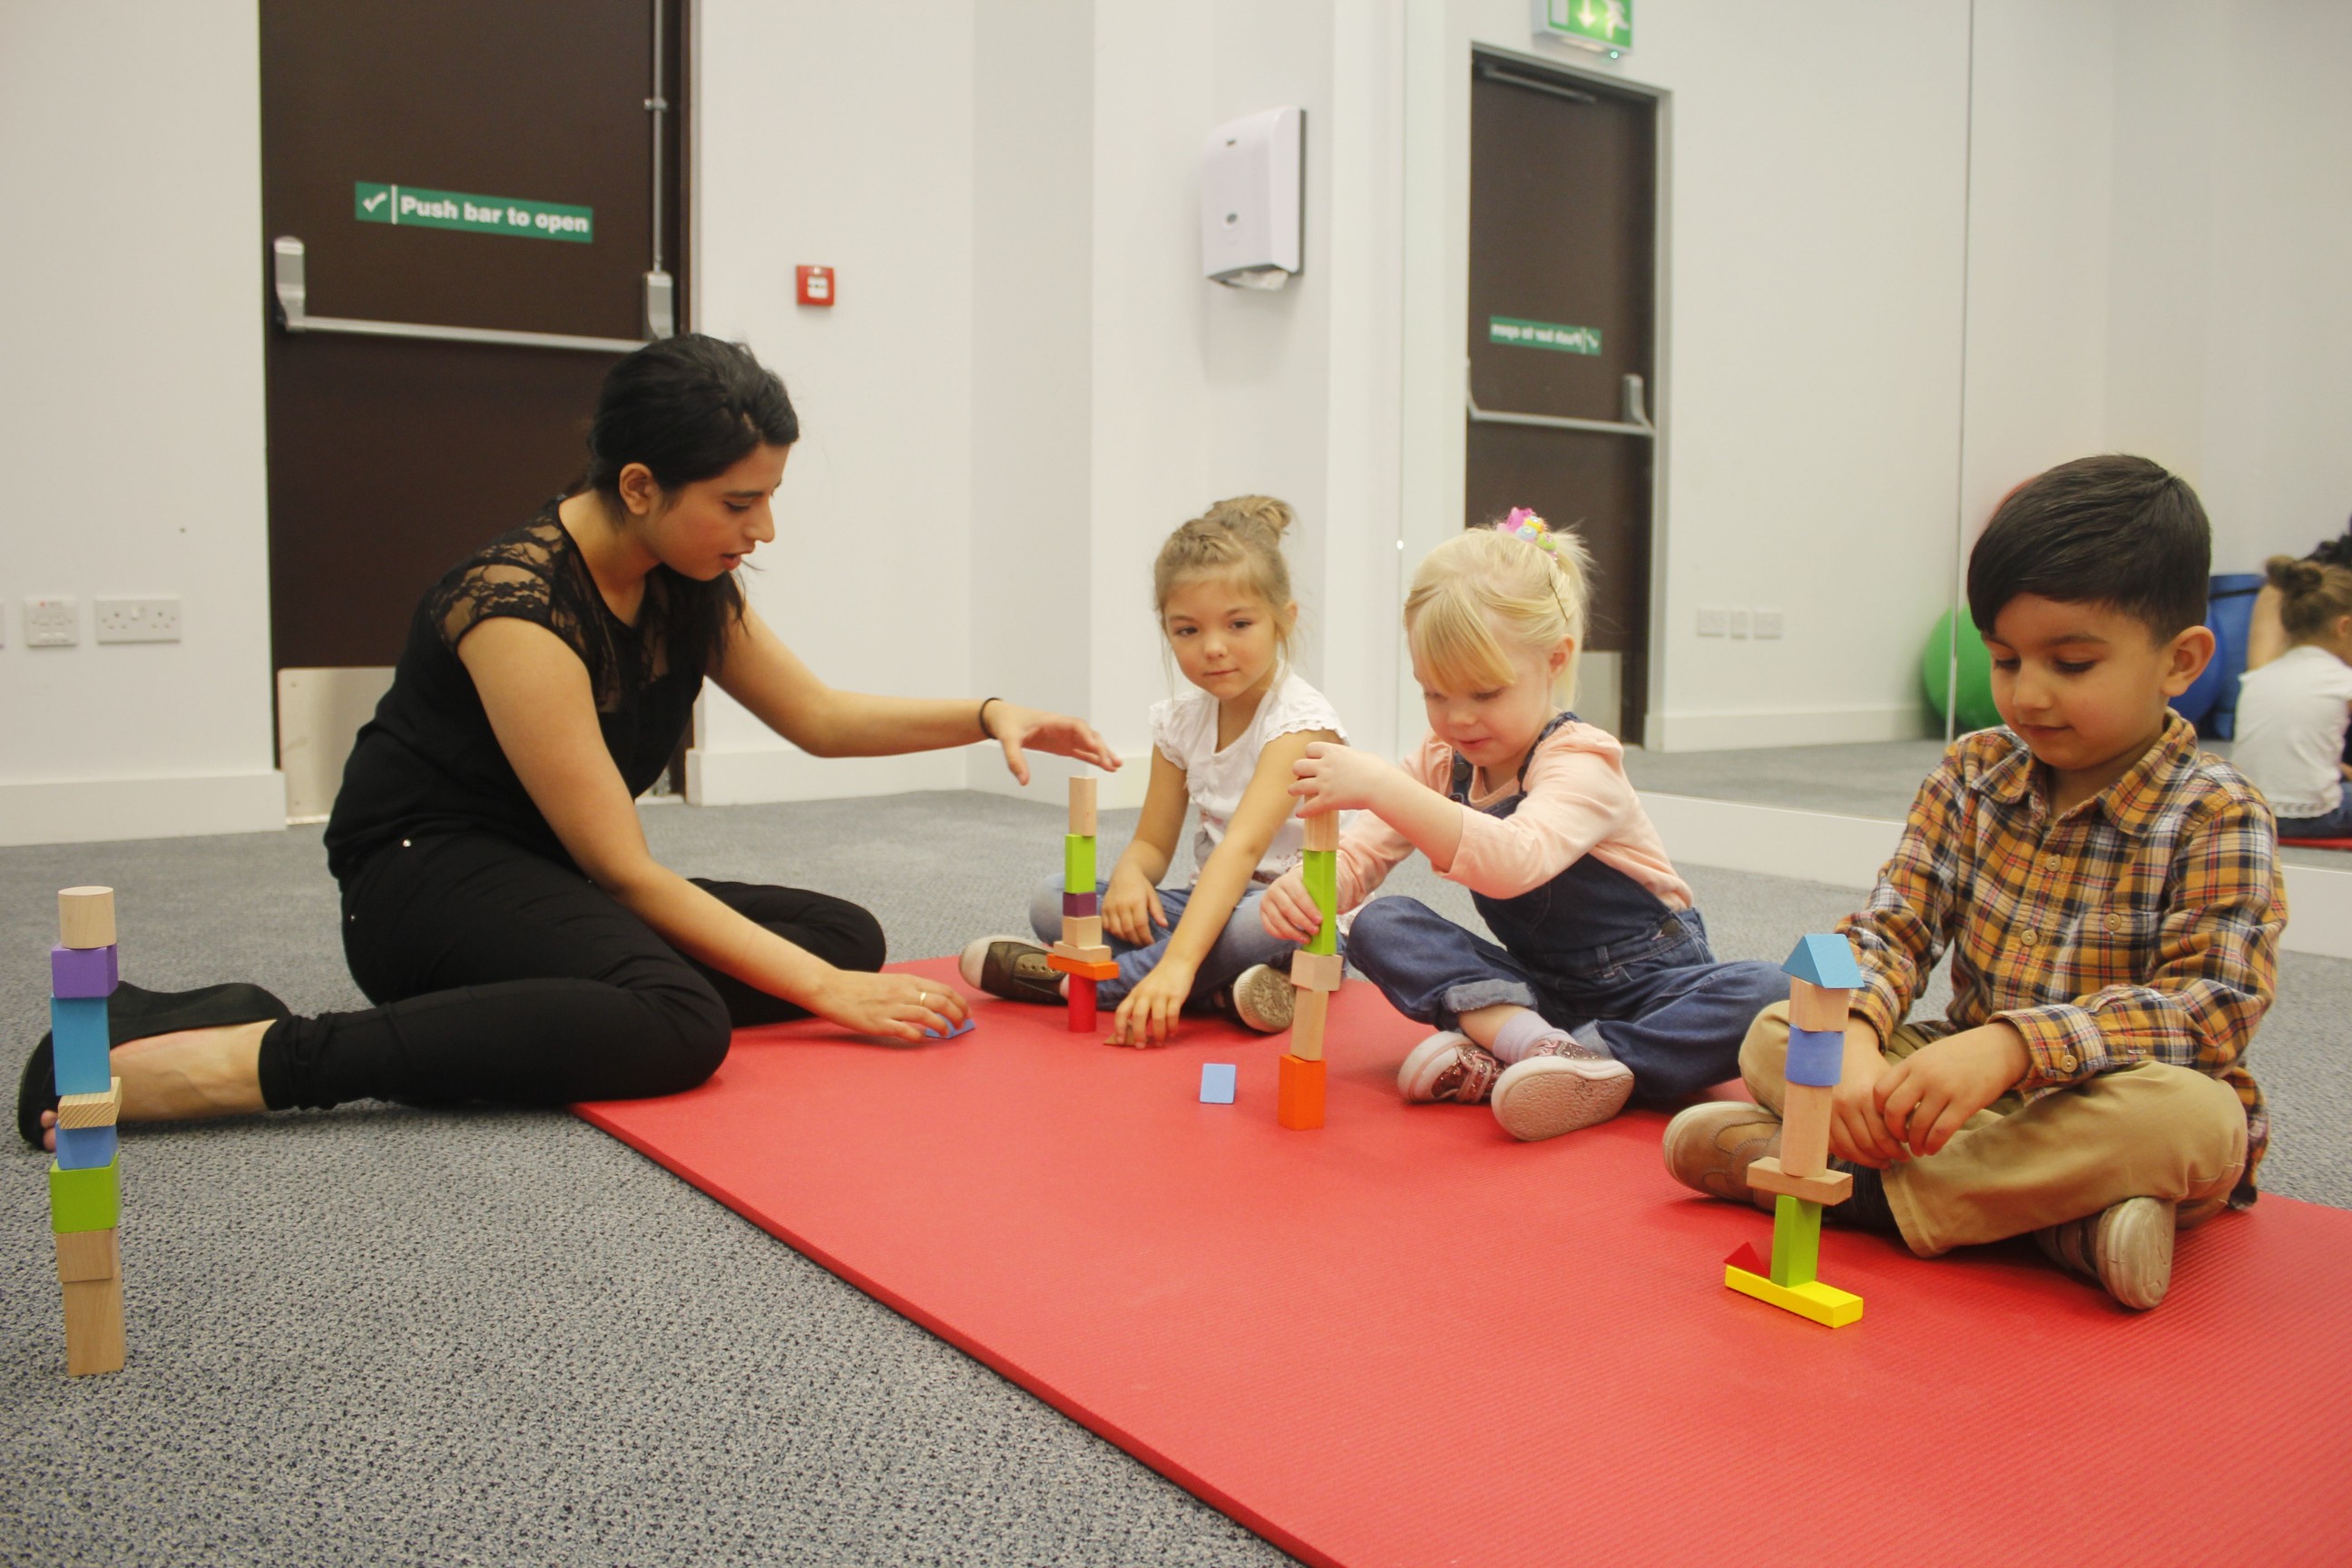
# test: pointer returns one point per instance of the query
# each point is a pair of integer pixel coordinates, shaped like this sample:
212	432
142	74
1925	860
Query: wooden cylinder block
1312	1007
86	917
1323	830
1805	1131
1082	807
1813	1007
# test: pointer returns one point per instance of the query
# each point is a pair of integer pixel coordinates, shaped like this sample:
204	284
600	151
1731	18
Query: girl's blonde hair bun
1517	579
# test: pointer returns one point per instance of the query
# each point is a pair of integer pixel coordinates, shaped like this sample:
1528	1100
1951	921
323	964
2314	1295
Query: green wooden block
1077	863
1796	1240
1320	871
86	1200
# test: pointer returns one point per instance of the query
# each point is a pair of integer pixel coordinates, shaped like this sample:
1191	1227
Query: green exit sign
1592	24
413	207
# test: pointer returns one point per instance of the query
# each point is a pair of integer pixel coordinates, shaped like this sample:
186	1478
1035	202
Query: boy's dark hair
2106	530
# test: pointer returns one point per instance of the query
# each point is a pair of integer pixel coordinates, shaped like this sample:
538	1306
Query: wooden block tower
86	1176
1315	969
1080	954
1822	976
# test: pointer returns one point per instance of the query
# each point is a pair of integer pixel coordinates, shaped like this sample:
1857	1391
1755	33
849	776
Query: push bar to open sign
292	292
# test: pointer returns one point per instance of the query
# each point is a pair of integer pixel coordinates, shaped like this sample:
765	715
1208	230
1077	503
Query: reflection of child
2292	711
1224	596
1602	982
2110	897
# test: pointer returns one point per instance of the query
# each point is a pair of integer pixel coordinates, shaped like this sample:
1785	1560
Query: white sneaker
1544	1097
1264	999
1447	1066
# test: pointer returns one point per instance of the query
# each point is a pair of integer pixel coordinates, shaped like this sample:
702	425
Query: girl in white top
1223	592
2292	711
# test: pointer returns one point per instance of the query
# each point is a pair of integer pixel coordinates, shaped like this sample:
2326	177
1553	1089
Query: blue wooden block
1824	961
963	1028
1816	1056
77	1033
86	1148
77	972
1217	1083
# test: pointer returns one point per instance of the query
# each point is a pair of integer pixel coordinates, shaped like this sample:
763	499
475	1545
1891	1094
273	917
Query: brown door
1562	275
390	457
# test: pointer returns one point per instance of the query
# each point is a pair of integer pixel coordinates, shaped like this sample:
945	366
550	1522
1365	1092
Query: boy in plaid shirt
2112	900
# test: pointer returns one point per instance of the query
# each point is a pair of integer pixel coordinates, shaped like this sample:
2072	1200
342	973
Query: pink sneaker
1545	1096
1448	1066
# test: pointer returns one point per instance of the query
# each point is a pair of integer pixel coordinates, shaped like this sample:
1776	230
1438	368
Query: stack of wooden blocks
86	1177
1315	971
1823	978
1081	954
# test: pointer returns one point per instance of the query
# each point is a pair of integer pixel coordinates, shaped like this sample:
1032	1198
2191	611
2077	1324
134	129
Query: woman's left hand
1147	1016
1014	727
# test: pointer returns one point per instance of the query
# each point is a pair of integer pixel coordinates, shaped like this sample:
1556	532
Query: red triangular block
1746	1258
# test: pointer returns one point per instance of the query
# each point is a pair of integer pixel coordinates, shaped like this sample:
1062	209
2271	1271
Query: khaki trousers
2150	1131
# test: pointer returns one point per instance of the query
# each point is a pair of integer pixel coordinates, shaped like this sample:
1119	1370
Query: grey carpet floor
391	1336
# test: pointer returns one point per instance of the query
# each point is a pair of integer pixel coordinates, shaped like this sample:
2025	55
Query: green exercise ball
1977	712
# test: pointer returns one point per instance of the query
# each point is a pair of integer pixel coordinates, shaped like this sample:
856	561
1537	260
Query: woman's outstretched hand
889	1006
1015	728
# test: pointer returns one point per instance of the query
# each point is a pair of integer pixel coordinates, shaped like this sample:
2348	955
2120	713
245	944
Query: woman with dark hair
500	905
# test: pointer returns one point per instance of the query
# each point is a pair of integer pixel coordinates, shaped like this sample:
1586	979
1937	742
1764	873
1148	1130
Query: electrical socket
137	620
51	623
1740	623
1767	624
1710	620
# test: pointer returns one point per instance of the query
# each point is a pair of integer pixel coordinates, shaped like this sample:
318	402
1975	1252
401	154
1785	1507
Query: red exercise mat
1405	1338
2319	843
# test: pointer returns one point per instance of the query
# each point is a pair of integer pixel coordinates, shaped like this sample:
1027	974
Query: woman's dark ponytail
688	408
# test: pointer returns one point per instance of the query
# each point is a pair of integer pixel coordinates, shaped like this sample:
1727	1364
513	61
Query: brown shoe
1448	1066
1709	1147
2126	1247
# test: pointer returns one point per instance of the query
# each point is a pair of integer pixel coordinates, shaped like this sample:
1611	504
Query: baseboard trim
1847	852
95	811
1113	792
775	775
1690	732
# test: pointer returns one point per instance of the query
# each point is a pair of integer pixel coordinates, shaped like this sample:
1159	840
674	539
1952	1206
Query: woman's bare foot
184	1076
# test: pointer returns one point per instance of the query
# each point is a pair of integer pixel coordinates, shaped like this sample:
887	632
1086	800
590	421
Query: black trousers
502	976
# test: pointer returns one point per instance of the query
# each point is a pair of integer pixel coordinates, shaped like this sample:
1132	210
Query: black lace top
428	761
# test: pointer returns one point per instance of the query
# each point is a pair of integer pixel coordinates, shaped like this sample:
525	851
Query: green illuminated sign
407	206
1551	335
1606	22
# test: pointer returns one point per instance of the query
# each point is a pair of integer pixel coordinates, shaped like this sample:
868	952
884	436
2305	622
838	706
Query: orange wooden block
86	917
1323	831
1812	1006
1082	807
1317	971
94	1326
1081	968
1298	1094
89	1254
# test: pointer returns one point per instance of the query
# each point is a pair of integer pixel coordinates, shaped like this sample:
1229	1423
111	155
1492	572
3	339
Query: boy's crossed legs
2100	1173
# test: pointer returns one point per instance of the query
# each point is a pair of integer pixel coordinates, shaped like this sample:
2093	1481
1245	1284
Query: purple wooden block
76	971
1082	904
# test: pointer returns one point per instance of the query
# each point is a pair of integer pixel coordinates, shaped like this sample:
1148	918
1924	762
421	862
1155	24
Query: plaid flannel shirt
2142	925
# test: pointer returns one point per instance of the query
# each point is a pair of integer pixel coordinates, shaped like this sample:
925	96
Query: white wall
131	424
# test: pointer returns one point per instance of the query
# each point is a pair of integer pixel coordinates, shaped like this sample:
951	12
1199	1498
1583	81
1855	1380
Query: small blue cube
1217	1083
963	1028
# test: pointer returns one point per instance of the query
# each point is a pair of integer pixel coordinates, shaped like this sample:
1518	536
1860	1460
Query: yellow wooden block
1306	1025
1317	971
1824	1304
86	917
91	1110
1812	1006
1830	1187
89	1254
1082	807
94	1326
1323	831
1082	932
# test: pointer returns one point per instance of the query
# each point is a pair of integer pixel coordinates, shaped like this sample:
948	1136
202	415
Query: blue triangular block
1824	961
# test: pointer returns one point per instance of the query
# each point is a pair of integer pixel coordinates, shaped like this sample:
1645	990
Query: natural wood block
1766	1176
94	1326
1298	1094
89	1254
86	917
1082	807
1323	830
1805	1130
1317	971
91	1110
1306	1025
1082	932
1811	1007
1076	953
